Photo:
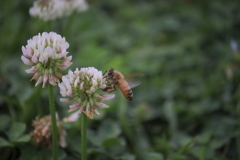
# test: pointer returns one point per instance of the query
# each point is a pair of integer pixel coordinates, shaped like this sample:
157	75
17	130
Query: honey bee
117	78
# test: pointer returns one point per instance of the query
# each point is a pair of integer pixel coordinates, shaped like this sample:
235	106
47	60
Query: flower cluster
46	54
52	9
42	134
80	87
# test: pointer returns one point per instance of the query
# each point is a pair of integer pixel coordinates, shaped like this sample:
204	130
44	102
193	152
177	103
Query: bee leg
109	89
105	72
111	83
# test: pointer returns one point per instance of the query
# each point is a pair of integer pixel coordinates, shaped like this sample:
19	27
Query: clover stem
83	136
54	125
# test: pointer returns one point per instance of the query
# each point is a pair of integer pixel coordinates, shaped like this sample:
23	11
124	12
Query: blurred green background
187	106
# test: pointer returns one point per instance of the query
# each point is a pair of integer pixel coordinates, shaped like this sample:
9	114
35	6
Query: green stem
83	136
54	125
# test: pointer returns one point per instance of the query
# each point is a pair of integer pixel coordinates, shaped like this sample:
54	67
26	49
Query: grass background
187	107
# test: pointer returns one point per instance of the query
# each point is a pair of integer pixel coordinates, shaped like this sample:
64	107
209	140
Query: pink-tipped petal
45	78
34	59
58	75
26	61
40	79
53	80
94	109
36	76
26	52
81	110
106	97
69	58
63	51
44	84
81	85
31	70
65	100
72	109
65	65
101	105
72	118
69	92
88	114
75	105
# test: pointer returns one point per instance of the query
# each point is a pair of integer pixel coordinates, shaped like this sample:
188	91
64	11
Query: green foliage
4	143
15	134
187	106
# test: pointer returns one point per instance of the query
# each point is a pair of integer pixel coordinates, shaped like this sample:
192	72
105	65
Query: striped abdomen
126	90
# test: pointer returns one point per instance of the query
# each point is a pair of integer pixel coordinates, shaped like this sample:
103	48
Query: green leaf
100	151
111	142
92	136
154	156
4	143
109	129
46	153
24	138
169	112
4	119
128	157
186	147
62	155
28	152
177	157
16	130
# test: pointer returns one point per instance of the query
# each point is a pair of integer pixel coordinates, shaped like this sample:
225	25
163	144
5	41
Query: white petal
65	100
75	105
101	105
40	79
106	97
26	61
72	118
31	70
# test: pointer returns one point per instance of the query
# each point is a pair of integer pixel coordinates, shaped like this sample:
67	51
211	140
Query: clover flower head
52	9
46	53
42	134
76	5
47	9
80	88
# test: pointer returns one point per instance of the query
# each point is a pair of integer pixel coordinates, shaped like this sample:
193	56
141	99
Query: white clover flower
52	9
47	9
76	5
80	87
46	54
42	133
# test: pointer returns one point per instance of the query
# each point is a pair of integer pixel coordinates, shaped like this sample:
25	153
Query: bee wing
133	79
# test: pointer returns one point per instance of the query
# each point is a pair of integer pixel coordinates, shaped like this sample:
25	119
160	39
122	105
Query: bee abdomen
129	95
126	90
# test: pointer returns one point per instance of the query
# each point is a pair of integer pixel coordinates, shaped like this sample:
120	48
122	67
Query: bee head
110	71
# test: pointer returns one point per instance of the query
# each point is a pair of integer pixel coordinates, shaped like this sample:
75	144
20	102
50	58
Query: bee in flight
116	78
